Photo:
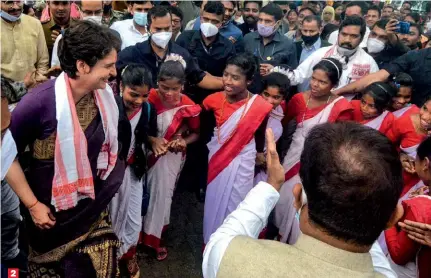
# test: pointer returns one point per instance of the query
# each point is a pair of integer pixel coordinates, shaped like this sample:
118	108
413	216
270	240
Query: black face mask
310	40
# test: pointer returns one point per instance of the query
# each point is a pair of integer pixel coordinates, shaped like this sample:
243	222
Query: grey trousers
10	221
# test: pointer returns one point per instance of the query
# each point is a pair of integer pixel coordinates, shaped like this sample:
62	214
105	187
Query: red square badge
12	273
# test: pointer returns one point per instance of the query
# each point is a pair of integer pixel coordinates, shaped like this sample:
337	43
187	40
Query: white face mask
161	39
375	45
209	29
8	153
345	52
94	18
428	25
9	17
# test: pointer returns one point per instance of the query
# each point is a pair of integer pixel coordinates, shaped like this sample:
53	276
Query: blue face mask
140	18
9	17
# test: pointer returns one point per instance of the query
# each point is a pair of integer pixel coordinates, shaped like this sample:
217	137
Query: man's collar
360	262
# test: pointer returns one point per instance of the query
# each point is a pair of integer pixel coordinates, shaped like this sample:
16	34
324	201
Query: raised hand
274	169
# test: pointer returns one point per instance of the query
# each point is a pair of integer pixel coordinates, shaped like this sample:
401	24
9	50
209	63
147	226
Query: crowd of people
303	126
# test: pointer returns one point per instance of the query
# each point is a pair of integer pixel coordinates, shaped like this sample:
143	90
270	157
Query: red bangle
37	201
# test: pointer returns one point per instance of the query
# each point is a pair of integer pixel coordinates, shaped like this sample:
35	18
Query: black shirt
246	28
211	58
142	53
417	64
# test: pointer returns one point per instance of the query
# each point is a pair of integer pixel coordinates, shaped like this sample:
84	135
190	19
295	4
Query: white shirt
359	65
333	38
249	219
128	32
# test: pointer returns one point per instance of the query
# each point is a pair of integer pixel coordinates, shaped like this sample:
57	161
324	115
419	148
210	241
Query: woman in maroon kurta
81	243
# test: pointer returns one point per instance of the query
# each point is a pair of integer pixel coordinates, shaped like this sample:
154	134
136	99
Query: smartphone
403	27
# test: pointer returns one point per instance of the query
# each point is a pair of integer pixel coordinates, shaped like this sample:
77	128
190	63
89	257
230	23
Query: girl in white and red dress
125	207
276	89
401	102
309	109
407	132
409	258
371	109
177	126
239	135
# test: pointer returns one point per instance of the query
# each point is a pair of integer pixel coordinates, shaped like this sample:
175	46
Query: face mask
140	18
375	46
8	17
94	18
345	51
303	201
310	40
161	39
8	153
428	26
265	31
209	29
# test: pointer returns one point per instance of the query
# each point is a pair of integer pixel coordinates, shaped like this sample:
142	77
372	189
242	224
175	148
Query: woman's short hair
88	42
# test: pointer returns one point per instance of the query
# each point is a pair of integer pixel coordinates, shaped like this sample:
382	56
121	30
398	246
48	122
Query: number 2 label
12	273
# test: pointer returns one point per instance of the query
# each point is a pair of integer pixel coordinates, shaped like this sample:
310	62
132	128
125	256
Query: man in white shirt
353	8
339	236
134	30
356	62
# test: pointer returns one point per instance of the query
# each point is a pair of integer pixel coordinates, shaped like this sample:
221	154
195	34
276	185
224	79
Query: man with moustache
23	48
251	16
356	62
59	20
357	8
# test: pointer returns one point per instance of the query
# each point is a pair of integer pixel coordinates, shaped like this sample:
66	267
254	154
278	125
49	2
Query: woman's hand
42	216
177	145
159	145
419	232
408	163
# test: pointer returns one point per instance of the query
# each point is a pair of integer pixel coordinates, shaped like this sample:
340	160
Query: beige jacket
247	257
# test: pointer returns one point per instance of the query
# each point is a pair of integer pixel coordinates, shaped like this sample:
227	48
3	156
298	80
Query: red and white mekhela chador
382	122
274	122
232	155
404	133
164	170
337	110
125	207
407	257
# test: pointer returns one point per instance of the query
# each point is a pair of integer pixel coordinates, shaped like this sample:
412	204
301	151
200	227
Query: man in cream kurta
23	46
